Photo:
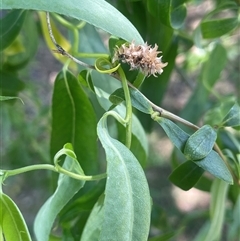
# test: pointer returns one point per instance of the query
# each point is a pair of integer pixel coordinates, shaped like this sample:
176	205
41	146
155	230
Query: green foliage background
200	84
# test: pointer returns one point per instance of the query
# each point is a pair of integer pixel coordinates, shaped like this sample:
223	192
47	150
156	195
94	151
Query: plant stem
59	169
128	117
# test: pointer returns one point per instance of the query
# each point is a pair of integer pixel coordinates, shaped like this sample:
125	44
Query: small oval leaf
216	166
200	144
233	117
186	175
175	133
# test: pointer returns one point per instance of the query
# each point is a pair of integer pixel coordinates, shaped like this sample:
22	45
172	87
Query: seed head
142	57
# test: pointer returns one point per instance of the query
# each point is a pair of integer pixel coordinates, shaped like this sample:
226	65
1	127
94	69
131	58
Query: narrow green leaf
175	133
216	166
210	73
127	204
12	222
137	98
200	143
85	79
10	27
2	98
96	12
186	175
65	190
92	228
73	120
217	209
218	27
235	224
233	117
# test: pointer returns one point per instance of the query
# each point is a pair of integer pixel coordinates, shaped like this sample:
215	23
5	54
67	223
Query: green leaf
92	228
210	73
96	12
233	117
178	16
2	98
73	120
218	27
10	27
127	204
85	79
138	100
28	39
217	210
216	166
10	84
175	133
65	190
200	143
186	175
12	222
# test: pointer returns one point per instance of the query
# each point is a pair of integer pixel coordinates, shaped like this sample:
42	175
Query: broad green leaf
137	98
210	73
67	187
10	84
174	133
186	175
12	222
216	166
127	204
2	98
96	12
10	26
200	143
233	116
218	27
73	120
93	226
217	209
85	79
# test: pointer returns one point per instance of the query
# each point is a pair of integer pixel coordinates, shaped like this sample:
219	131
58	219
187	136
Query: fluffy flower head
142	57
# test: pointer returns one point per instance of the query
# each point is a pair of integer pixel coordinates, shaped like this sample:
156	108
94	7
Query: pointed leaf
127	204
2	98
73	120
233	116
175	133
217	210
10	27
12	222
138	100
93	226
200	143
186	175
216	166
96	12
218	27
65	190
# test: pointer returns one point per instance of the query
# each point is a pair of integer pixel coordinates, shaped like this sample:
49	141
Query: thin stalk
128	117
81	177
59	169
